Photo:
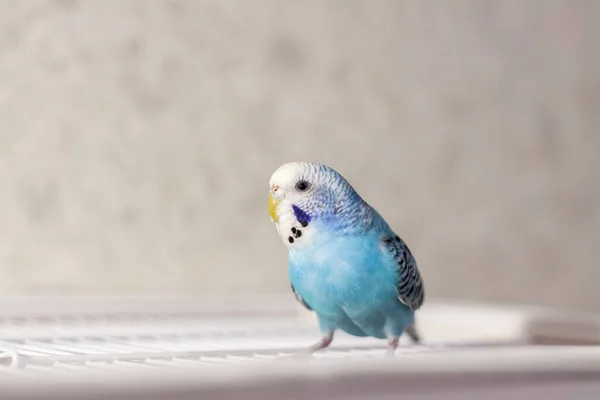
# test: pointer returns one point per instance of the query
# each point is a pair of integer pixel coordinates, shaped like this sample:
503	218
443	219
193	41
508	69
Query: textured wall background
137	138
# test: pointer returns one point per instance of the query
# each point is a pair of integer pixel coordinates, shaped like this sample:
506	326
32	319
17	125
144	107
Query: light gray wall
137	138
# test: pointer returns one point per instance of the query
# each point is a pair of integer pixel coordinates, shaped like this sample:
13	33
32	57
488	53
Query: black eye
302	186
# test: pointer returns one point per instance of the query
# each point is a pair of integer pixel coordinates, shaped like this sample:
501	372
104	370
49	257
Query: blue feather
351	282
301	216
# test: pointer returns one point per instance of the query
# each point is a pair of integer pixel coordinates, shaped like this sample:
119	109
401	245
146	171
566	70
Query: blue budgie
345	262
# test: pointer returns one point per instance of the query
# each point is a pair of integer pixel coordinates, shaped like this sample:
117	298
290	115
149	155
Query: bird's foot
307	353
392	346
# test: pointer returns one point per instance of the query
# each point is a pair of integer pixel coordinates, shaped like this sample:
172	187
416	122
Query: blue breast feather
350	281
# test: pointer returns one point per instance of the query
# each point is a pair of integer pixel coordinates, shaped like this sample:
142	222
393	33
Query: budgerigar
345	262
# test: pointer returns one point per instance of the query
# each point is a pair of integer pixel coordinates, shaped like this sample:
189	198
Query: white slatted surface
166	341
175	343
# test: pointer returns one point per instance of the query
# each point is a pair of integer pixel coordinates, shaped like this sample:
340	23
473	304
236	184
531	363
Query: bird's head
304	194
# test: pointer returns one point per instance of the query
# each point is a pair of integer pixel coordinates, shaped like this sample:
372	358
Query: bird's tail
413	334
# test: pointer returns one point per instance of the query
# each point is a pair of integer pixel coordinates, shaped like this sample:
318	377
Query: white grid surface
140	341
162	343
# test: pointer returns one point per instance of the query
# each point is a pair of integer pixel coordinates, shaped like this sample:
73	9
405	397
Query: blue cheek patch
301	216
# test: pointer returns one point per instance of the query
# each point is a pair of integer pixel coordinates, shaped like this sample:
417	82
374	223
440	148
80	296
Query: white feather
282	185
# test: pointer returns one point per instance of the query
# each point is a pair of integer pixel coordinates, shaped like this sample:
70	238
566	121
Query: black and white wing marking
300	299
411	290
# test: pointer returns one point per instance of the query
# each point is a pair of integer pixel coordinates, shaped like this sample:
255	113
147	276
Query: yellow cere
273	203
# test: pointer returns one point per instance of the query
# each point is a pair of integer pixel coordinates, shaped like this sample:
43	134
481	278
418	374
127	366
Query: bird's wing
300	299
411	290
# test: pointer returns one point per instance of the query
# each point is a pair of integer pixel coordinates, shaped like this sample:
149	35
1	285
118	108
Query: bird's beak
273	203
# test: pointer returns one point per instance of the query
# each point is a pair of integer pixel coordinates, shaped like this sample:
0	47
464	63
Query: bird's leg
392	346
320	345
411	332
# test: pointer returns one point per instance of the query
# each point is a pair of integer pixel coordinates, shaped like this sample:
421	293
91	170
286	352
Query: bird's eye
302	186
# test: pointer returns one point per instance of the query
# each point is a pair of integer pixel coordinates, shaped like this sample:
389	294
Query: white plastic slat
78	347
